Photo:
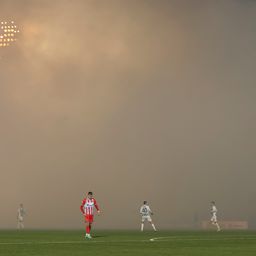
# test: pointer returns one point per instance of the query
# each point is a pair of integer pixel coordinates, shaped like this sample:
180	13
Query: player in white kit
146	213
214	216
20	217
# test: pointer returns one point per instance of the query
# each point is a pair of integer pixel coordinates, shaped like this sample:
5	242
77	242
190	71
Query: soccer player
214	215
146	213
20	217
87	208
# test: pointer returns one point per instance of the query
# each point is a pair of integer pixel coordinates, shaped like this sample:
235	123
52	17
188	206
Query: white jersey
214	209
145	210
21	213
214	214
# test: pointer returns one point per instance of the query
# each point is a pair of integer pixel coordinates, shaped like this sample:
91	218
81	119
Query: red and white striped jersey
88	205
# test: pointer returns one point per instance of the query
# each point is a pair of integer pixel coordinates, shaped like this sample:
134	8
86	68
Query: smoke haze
135	100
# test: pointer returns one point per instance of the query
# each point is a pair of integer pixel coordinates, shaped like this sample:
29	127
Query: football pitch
176	243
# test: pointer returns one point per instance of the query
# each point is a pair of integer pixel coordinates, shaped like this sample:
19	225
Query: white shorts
20	218
146	217
214	217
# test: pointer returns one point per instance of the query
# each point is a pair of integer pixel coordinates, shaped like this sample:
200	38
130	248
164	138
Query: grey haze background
133	100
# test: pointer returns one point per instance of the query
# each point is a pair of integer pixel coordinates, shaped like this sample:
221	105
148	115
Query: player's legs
88	230
218	226
142	226
20	224
153	225
151	222
142	223
88	221
215	222
148	218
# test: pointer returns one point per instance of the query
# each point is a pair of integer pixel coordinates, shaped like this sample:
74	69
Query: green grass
132	243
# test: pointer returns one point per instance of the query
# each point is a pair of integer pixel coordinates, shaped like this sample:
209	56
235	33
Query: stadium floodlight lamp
8	33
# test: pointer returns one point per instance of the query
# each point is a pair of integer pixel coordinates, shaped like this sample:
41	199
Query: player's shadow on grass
98	236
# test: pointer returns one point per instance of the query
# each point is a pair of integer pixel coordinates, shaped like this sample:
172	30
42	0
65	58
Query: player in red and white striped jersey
87	208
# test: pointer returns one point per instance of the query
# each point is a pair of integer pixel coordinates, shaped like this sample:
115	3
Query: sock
87	230
218	227
153	226
142	226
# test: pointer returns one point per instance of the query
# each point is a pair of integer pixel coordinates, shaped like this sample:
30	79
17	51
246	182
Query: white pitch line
71	242
170	238
47	242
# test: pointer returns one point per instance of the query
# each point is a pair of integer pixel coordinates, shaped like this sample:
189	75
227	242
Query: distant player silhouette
20	217
146	213
214	215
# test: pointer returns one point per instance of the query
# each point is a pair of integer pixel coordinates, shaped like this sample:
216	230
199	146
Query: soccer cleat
88	236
